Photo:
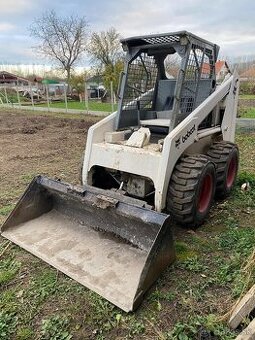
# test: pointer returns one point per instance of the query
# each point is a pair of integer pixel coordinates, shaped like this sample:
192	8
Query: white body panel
152	162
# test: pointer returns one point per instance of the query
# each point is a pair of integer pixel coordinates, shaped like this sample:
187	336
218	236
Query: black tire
225	155
191	190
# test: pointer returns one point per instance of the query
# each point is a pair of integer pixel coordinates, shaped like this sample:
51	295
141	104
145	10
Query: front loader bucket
110	244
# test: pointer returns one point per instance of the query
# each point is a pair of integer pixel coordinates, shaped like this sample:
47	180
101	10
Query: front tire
191	190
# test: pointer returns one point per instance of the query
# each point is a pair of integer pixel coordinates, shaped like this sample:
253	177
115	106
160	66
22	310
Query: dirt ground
32	145
189	297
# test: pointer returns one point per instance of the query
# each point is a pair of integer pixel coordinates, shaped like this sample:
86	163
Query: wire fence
54	98
245	125
57	99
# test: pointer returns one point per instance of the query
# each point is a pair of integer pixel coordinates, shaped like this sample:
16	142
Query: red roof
219	64
205	68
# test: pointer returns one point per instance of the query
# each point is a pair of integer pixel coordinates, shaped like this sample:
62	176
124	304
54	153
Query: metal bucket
110	243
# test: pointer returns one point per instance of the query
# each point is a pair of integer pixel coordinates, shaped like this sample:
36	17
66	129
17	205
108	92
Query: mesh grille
197	83
162	39
142	75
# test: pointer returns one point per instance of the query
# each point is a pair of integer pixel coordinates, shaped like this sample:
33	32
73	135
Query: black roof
163	38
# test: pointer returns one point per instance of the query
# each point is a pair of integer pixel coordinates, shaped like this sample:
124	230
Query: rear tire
191	190
225	155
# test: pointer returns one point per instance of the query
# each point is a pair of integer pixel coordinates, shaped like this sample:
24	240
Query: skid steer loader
163	156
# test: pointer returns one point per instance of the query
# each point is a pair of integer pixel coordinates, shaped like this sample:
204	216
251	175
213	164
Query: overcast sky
230	24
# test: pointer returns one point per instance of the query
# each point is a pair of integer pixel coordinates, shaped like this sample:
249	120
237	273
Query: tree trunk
68	71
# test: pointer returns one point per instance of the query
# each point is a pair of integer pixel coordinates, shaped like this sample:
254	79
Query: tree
112	75
63	40
105	48
106	53
77	82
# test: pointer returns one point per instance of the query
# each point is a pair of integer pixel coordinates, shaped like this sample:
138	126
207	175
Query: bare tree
63	40
105	48
107	55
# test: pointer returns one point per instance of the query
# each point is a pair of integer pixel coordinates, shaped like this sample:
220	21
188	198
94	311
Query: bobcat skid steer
163	156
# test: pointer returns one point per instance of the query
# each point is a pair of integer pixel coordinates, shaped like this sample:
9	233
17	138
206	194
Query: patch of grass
247	96
236	244
246	176
136	327
204	327
25	333
8	270
76	105
247	112
157	297
43	285
55	327
104	314
5	210
193	264
227	270
27	178
239	240
8	300
203	245
8	323
183	251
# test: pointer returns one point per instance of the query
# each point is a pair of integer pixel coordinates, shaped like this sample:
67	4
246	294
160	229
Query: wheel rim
231	172
205	193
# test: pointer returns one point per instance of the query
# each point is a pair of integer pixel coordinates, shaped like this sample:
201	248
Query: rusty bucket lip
138	211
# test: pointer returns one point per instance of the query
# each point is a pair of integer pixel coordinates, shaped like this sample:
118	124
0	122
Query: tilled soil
32	145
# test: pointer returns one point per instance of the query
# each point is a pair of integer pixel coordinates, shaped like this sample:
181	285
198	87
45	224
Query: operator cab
166	77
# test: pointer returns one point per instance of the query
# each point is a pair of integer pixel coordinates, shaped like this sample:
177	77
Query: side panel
229	120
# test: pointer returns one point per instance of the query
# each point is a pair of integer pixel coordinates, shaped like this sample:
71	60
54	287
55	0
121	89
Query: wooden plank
243	308
248	333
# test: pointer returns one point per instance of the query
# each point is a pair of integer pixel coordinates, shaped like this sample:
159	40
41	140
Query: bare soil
32	145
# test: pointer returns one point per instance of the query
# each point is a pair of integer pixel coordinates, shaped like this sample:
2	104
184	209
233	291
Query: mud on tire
191	190
225	155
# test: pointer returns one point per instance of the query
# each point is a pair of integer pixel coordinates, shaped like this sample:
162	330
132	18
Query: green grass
247	112
247	96
5	210
55	328
75	105
8	270
196	326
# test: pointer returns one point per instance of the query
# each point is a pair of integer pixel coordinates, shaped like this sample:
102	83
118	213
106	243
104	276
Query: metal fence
46	98
245	125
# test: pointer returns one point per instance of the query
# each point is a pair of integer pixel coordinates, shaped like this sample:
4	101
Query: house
248	74
221	69
11	80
